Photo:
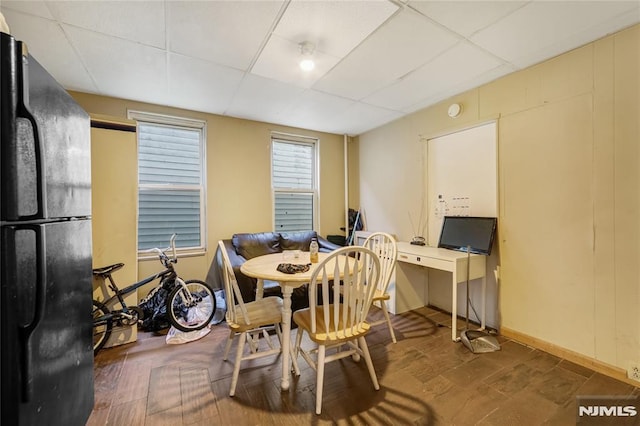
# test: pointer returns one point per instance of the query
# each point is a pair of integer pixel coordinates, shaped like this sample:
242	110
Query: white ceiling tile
262	99
199	85
543	29
454	67
36	8
140	21
606	25
466	17
336	27
280	59
614	24
229	33
49	45
395	49
315	110
359	118
122	68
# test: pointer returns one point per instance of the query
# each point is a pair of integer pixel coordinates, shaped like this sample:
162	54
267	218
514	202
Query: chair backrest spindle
232	292
355	272
384	246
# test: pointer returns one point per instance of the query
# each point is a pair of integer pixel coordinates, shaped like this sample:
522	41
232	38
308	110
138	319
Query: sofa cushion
253	245
297	240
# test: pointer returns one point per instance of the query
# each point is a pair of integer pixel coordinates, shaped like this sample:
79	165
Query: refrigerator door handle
41	187
38	311
23	111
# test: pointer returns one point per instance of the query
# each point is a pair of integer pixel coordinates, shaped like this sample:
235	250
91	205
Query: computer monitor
460	232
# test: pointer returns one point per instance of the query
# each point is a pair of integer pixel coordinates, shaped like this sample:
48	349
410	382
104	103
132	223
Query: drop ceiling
376	60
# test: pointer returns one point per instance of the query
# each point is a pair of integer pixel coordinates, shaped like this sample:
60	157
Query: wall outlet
633	371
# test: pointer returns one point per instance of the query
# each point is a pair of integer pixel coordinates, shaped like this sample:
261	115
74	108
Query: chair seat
262	312
302	317
380	295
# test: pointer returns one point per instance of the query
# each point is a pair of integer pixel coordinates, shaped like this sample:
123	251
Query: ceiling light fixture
306	50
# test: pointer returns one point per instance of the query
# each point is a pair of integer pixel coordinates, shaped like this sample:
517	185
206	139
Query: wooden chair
341	320
384	246
248	321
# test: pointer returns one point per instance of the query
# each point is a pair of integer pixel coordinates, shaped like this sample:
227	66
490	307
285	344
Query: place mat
292	268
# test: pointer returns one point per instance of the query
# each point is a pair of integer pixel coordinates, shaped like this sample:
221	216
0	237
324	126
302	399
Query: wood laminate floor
425	379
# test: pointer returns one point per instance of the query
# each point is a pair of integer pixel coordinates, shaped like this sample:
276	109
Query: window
294	183
171	195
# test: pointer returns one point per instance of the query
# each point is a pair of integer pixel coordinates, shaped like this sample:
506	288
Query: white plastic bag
196	313
221	308
177	337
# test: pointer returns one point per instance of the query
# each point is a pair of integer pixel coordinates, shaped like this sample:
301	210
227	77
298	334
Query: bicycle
190	306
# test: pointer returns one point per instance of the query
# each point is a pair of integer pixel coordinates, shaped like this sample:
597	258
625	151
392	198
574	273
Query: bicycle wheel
101	326
192	306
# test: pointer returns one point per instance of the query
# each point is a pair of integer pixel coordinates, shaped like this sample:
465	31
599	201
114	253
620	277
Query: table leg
260	289
286	335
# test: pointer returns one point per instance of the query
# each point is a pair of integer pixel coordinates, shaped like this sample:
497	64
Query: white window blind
170	183
294	185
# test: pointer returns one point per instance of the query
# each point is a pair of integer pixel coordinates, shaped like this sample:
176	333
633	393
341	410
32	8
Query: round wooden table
265	268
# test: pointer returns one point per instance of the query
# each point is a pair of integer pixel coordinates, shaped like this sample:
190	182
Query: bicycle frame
190	305
168	273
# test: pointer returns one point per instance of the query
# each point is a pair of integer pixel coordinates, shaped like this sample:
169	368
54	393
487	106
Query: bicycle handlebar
161	252
172	243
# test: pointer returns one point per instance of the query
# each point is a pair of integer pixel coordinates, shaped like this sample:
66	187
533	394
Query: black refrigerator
46	345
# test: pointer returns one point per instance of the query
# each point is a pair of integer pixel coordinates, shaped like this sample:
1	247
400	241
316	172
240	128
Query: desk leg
483	321
454	307
286	335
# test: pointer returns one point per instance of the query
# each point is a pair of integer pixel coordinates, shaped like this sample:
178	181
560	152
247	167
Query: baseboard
583	360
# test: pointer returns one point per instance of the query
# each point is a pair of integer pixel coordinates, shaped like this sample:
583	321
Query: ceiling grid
376	60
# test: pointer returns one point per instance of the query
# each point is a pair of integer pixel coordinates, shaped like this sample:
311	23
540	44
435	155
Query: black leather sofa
246	246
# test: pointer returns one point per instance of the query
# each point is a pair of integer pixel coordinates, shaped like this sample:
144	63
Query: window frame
186	123
315	176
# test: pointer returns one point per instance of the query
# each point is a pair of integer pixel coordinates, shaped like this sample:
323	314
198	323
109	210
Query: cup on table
291	255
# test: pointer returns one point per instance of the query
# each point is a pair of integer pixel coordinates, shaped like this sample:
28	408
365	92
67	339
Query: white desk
407	290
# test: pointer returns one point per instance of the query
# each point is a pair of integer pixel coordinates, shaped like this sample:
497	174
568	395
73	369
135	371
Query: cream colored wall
569	196
114	201
238	177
